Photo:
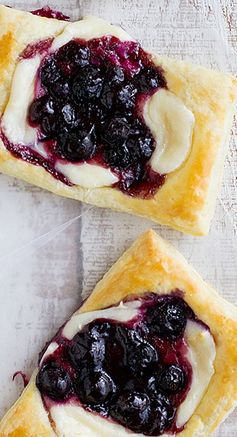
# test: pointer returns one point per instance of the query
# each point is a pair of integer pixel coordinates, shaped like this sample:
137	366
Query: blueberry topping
171	379
87	84
77	145
125	371
168	319
132	410
53	381
92	107
94	387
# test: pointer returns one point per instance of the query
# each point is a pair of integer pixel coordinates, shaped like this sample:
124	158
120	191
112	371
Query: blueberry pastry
152	352
88	114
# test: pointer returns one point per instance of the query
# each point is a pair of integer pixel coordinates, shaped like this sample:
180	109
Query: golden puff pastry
187	197
151	265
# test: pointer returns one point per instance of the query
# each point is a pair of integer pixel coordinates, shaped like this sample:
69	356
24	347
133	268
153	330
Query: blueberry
39	107
73	54
94	113
77	146
49	72
168	319
149	79
97	352
87	84
78	350
140	356
162	415
141	147
116	131
132	410
115	75
60	89
49	126
107	97
70	116
118	157
53	381
171	379
94	387
103	329
126	97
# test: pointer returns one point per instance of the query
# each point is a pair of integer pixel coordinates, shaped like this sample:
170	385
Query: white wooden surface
53	249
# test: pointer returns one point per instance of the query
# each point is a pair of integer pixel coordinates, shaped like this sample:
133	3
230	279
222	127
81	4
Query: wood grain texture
47	259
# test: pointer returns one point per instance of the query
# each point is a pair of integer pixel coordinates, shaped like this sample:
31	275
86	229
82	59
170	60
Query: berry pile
135	373
90	106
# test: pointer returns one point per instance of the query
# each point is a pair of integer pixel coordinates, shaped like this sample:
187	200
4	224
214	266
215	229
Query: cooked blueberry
168	319
101	329
107	97
97	352
39	107
49	126
171	379
60	89
78	349
49	72
162	416
73	54
126	96
77	146
95	113
116	131
118	157
132	409
115	75
70	115
140	356
53	381
141	146
87	84
94	387
149	79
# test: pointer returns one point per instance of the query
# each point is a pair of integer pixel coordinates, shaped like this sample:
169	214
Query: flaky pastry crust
186	201
151	264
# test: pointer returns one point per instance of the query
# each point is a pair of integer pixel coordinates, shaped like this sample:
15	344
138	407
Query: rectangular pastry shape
150	265
186	199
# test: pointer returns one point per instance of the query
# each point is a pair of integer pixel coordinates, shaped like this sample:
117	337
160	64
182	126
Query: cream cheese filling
14	120
71	419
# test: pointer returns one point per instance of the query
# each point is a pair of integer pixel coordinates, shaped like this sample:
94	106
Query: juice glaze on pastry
87	115
134	365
